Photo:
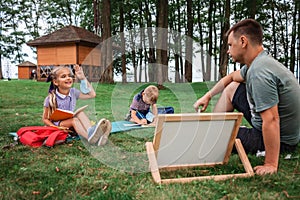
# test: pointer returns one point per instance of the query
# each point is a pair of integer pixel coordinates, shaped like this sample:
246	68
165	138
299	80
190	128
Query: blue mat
120	126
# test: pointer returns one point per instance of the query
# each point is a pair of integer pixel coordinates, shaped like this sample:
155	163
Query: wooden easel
195	140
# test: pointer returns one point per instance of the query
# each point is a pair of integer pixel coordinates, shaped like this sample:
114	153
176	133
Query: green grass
120	170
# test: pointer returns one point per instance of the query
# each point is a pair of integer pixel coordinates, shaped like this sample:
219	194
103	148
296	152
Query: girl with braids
63	96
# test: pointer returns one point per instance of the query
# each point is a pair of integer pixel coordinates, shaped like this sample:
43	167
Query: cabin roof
26	64
68	34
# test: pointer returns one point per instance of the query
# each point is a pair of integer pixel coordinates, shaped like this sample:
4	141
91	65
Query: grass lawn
76	170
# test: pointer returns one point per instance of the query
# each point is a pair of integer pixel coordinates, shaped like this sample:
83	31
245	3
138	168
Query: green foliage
73	170
23	20
86	15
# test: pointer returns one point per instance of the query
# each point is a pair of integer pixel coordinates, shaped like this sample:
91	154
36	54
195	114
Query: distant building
27	70
68	46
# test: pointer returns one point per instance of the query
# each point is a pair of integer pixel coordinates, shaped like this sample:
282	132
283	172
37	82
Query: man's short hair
248	27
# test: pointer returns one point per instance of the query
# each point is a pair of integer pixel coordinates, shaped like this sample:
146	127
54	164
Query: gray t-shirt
269	83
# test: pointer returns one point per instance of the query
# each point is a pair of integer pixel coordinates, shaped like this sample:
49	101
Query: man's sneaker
96	132
103	139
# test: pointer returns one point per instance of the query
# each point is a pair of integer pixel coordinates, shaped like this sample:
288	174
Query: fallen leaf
105	187
36	192
290	197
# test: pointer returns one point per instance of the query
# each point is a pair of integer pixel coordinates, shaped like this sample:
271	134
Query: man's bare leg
224	103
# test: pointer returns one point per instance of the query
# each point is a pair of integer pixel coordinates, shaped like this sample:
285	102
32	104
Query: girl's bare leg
79	128
85	121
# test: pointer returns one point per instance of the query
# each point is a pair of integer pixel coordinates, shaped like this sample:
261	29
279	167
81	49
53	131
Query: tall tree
12	38
132	36
251	4
1	75
210	41
297	4
175	27
293	39
215	37
273	4
123	55
189	42
142	39
162	42
151	57
97	20
200	17
106	49
224	47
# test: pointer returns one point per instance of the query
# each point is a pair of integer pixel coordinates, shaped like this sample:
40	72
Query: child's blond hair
152	93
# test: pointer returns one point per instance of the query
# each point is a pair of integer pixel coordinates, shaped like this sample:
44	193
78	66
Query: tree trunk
293	40
215	24
123	56
106	49
208	58
145	57
224	46
1	75
133	52
178	47
151	58
141	54
274	29
145	63
162	42
189	43
201	42
287	26
96	17
297	4
142	38
251	4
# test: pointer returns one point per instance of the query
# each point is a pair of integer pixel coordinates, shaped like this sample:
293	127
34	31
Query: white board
194	142
195	139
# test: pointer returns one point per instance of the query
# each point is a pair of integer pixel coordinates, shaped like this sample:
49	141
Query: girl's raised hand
79	72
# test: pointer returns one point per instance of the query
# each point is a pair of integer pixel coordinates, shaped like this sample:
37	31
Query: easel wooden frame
155	148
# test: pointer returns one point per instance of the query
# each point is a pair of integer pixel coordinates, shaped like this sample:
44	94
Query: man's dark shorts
251	138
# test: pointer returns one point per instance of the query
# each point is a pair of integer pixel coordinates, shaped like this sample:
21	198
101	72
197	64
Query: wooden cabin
66	47
27	70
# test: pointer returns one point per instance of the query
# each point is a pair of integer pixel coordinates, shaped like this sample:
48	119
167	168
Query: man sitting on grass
265	91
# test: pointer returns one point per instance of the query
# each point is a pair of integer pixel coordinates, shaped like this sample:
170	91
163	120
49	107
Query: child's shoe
96	132
107	129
